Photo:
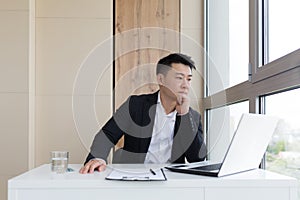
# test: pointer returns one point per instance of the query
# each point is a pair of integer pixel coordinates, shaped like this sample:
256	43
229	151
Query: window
222	124
283	27
274	58
227	43
283	153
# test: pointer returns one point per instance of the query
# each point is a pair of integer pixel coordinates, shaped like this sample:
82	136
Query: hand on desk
92	165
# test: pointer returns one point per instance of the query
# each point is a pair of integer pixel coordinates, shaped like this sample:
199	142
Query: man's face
177	81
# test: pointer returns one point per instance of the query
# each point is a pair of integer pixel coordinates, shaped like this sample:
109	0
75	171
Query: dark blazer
135	120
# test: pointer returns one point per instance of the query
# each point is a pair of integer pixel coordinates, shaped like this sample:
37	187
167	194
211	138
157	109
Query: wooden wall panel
138	47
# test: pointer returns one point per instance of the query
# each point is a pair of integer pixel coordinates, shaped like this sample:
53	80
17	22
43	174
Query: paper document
123	175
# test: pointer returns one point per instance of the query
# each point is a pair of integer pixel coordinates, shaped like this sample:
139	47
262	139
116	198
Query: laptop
245	151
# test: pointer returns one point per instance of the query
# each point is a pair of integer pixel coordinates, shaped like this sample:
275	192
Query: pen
152	172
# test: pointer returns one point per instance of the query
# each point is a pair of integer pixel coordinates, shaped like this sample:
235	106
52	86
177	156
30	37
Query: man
157	128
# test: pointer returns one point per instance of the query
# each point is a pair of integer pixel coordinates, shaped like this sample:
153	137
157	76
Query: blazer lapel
148	110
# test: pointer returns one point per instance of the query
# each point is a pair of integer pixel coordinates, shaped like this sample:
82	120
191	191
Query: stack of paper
151	175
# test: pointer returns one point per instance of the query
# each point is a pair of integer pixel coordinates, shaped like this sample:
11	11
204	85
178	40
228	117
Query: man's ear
160	79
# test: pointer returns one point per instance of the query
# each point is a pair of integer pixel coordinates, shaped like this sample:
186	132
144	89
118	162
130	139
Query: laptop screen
249	143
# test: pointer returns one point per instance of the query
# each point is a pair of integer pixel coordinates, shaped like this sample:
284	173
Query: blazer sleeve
197	151
188	140
110	133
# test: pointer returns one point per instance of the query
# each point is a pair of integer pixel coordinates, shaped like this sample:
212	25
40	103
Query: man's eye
178	77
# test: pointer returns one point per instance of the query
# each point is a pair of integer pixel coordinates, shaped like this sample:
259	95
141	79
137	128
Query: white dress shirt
162	136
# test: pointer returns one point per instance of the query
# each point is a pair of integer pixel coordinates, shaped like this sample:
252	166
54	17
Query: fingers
93	165
102	168
181	98
182	104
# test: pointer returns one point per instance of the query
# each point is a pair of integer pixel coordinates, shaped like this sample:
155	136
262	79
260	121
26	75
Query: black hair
164	64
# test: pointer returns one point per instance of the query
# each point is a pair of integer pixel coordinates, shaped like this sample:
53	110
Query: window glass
284	30
283	153
222	122
227	43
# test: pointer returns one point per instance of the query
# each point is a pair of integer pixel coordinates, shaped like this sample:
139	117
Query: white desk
40	183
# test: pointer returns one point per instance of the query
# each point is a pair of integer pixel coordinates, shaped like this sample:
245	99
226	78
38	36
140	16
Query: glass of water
59	161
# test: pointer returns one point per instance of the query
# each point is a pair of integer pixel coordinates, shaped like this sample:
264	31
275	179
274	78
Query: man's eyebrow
182	74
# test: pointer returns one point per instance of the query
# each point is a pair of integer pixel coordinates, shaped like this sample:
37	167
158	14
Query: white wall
43	43
66	31
14	32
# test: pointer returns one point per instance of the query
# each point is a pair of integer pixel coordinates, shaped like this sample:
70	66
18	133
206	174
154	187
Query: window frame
265	78
259	67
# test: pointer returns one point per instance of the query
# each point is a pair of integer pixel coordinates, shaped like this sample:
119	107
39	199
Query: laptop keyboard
209	167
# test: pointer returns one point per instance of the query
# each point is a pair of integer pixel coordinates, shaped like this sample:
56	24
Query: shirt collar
170	115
